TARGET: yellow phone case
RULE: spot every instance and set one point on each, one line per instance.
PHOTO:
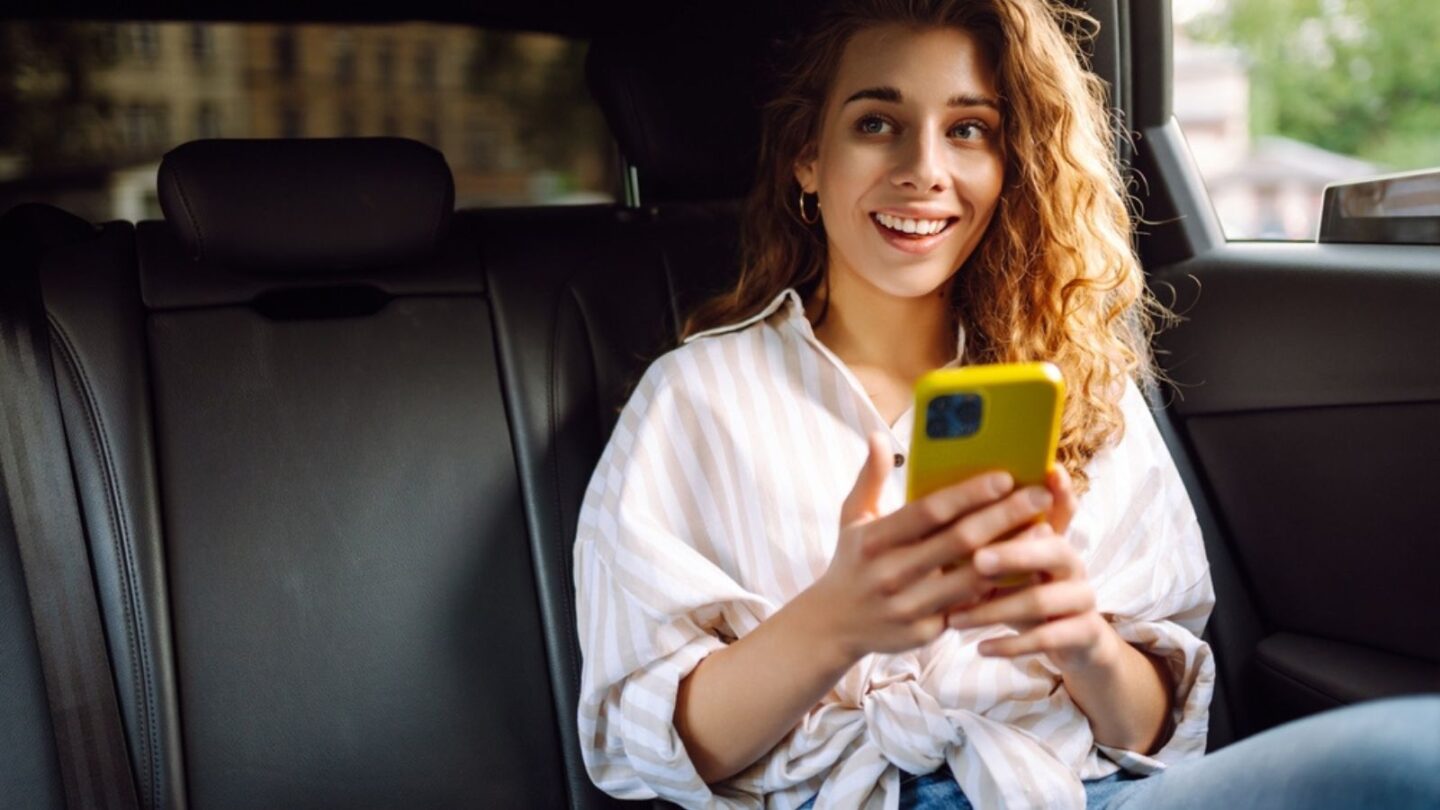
(1016, 425)
(1009, 415)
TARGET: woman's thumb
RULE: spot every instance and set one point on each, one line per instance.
(864, 498)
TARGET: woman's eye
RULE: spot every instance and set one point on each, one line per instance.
(968, 131)
(872, 125)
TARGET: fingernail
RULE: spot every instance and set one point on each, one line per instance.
(1040, 498)
(1001, 483)
(985, 561)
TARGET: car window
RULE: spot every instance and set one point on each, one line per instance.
(1280, 98)
(96, 104)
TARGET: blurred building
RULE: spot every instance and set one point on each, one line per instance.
(478, 96)
(1262, 188)
(413, 81)
(162, 84)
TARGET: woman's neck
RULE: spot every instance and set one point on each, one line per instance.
(870, 329)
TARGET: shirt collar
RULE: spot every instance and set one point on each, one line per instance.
(796, 305)
(795, 318)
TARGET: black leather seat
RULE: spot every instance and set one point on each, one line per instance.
(295, 468)
(329, 455)
(30, 773)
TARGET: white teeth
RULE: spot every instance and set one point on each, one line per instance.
(924, 227)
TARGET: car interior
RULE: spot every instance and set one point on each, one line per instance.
(317, 440)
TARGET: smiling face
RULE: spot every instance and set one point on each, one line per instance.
(908, 165)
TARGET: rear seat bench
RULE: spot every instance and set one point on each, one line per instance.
(329, 446)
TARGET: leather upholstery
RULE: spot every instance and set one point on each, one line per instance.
(308, 533)
(100, 361)
(172, 280)
(1234, 629)
(350, 581)
(351, 584)
(281, 206)
(574, 337)
(313, 535)
(29, 771)
(563, 372)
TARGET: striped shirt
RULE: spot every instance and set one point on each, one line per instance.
(717, 500)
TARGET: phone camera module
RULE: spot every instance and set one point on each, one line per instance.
(953, 416)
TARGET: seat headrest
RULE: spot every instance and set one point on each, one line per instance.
(685, 115)
(307, 206)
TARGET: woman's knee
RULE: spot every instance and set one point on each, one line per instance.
(1392, 729)
(1380, 751)
(1378, 754)
(1395, 734)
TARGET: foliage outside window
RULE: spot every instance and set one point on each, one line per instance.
(1280, 97)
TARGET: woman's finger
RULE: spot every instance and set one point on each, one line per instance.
(1059, 636)
(1036, 550)
(934, 594)
(962, 538)
(921, 518)
(1066, 503)
(862, 502)
(1034, 604)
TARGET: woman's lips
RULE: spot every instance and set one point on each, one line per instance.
(913, 243)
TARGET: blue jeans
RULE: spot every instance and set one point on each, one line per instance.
(1383, 754)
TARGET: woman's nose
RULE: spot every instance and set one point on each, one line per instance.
(919, 166)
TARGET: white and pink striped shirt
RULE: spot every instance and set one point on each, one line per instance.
(717, 500)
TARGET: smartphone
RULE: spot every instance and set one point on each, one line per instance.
(978, 419)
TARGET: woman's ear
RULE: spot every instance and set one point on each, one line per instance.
(805, 170)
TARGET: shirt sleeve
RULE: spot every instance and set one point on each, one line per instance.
(651, 600)
(1145, 556)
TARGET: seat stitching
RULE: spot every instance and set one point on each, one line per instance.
(567, 597)
(567, 591)
(185, 201)
(134, 617)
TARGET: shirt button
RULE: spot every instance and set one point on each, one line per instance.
(899, 459)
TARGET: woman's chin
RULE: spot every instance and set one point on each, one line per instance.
(907, 283)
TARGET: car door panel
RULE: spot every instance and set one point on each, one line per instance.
(1306, 396)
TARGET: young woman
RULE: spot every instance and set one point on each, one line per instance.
(760, 625)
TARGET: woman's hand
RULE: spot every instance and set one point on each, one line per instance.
(893, 578)
(1055, 614)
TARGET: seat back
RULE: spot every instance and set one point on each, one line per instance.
(30, 773)
(317, 575)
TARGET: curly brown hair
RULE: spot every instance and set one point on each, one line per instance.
(1054, 278)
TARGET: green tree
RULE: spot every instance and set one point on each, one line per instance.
(1360, 77)
(544, 89)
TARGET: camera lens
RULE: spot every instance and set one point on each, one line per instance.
(953, 416)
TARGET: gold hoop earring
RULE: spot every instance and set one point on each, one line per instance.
(811, 220)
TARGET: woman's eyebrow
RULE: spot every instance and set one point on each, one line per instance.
(894, 96)
(877, 93)
(970, 100)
